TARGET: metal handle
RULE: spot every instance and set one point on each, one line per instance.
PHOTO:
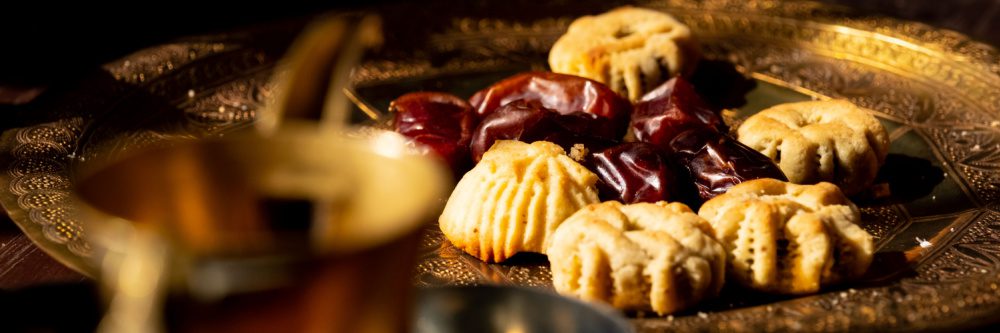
(316, 72)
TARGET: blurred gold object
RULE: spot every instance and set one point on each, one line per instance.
(312, 77)
(304, 225)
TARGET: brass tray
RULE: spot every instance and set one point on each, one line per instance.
(938, 235)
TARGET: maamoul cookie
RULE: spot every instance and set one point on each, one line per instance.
(514, 199)
(832, 141)
(656, 257)
(632, 50)
(787, 238)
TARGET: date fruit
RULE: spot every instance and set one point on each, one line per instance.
(563, 93)
(716, 162)
(634, 172)
(670, 109)
(440, 121)
(530, 121)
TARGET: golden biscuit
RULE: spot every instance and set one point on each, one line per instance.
(787, 238)
(632, 50)
(514, 199)
(656, 257)
(831, 141)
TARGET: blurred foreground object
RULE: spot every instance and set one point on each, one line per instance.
(304, 225)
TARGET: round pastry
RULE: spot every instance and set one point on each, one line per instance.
(632, 50)
(787, 238)
(831, 141)
(656, 257)
(514, 199)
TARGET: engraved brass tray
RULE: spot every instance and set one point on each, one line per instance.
(938, 93)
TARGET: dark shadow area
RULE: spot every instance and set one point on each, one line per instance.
(909, 178)
(56, 308)
(44, 45)
(71, 97)
(735, 297)
(526, 258)
(720, 84)
(7, 227)
(887, 267)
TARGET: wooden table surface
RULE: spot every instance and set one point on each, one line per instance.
(22, 264)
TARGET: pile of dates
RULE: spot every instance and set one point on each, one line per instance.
(680, 150)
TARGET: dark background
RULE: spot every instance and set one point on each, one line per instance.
(47, 42)
(979, 19)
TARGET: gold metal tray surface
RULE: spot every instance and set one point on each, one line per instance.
(937, 92)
